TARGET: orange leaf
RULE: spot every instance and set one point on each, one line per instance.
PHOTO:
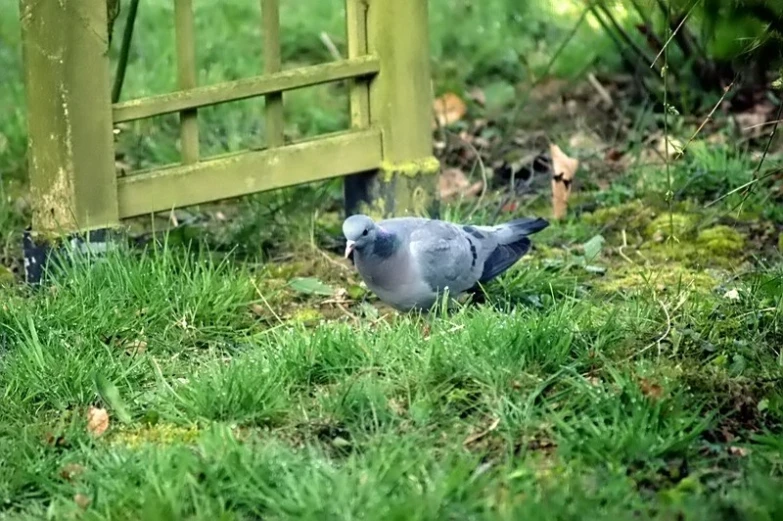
(449, 109)
(97, 421)
(563, 171)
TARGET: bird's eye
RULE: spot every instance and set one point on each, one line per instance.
(365, 232)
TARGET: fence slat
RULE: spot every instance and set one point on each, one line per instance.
(67, 83)
(273, 107)
(356, 34)
(249, 172)
(245, 88)
(186, 76)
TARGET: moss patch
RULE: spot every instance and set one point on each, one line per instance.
(680, 225)
(721, 240)
(158, 434)
(671, 277)
(630, 216)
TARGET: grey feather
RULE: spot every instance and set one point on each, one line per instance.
(409, 262)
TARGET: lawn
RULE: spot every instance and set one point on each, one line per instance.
(234, 367)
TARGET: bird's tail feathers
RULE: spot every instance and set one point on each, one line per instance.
(517, 229)
(503, 257)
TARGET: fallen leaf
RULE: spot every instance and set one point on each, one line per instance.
(477, 436)
(71, 471)
(311, 286)
(258, 309)
(670, 147)
(97, 421)
(478, 96)
(587, 142)
(453, 181)
(563, 171)
(593, 247)
(82, 501)
(449, 109)
(739, 451)
(651, 389)
(510, 206)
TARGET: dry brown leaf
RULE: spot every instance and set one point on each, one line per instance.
(82, 501)
(449, 109)
(70, 471)
(739, 451)
(651, 389)
(453, 181)
(563, 172)
(97, 421)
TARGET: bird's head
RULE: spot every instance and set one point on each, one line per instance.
(359, 231)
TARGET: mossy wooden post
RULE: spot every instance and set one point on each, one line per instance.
(401, 107)
(71, 145)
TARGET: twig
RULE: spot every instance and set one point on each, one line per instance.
(122, 63)
(475, 437)
(755, 177)
(483, 171)
(625, 244)
(709, 116)
(602, 92)
(330, 46)
(666, 44)
(623, 35)
(661, 338)
(266, 303)
(523, 100)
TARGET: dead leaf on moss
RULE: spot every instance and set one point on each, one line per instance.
(97, 421)
(563, 172)
(449, 109)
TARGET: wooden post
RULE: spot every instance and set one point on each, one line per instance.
(73, 182)
(401, 106)
(184, 28)
(273, 108)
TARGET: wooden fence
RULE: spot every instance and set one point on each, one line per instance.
(74, 183)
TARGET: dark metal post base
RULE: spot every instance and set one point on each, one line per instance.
(38, 253)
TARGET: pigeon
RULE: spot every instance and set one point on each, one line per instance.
(408, 262)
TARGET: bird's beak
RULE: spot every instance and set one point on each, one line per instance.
(349, 248)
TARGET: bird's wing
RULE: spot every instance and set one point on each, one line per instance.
(446, 256)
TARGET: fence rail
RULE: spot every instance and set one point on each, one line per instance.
(73, 179)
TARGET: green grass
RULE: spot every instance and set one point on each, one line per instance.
(642, 392)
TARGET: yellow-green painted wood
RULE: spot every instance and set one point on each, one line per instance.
(249, 172)
(273, 103)
(356, 35)
(401, 96)
(186, 76)
(245, 88)
(401, 106)
(71, 145)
